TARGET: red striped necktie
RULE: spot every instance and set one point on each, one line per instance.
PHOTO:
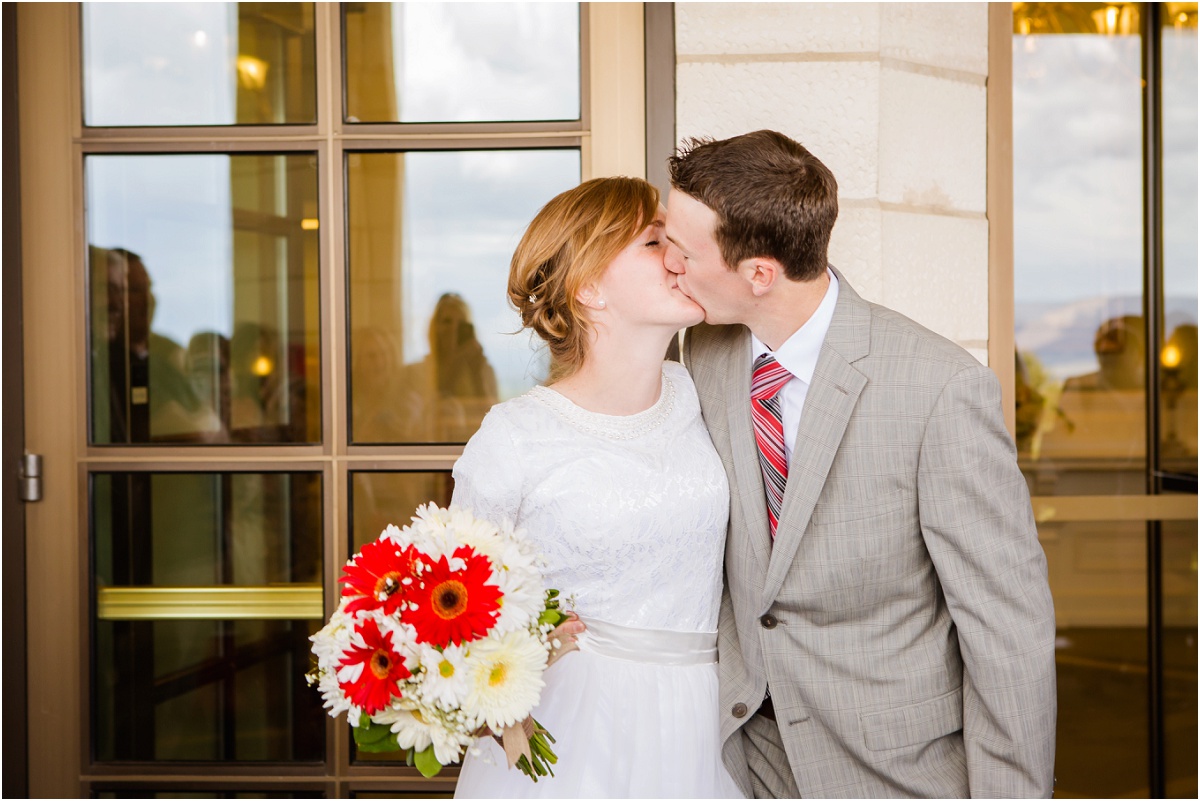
(767, 410)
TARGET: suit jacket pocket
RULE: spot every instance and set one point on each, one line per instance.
(915, 723)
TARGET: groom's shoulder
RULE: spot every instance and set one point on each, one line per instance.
(703, 340)
(896, 337)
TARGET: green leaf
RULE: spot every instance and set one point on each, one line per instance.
(374, 738)
(427, 763)
(551, 616)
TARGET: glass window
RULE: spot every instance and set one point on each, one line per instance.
(1179, 656)
(198, 64)
(380, 499)
(1081, 340)
(1098, 578)
(461, 62)
(434, 343)
(206, 589)
(204, 298)
(1177, 393)
(138, 791)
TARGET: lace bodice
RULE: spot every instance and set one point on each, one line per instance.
(629, 512)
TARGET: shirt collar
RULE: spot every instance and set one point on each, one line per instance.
(799, 353)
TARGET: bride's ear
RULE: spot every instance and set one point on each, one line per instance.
(589, 296)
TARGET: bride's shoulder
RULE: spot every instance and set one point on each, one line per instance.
(681, 380)
(676, 371)
(517, 419)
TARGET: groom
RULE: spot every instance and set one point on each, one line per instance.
(887, 627)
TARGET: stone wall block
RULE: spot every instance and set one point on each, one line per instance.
(932, 142)
(733, 28)
(935, 270)
(832, 108)
(854, 248)
(949, 35)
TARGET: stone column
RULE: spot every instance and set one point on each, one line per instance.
(892, 97)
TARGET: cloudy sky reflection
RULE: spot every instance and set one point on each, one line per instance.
(459, 62)
(1077, 155)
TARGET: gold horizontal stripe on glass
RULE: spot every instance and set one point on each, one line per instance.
(1088, 508)
(284, 602)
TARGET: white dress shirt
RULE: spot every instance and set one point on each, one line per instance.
(798, 355)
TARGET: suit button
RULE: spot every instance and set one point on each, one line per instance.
(769, 621)
(740, 710)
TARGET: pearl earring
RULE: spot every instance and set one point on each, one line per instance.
(601, 303)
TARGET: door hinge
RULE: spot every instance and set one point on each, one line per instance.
(29, 478)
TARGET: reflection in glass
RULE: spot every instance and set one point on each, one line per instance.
(380, 499)
(461, 62)
(433, 339)
(399, 794)
(141, 791)
(1179, 656)
(198, 63)
(183, 681)
(1098, 580)
(204, 304)
(1177, 351)
(1081, 340)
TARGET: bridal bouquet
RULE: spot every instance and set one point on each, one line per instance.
(444, 628)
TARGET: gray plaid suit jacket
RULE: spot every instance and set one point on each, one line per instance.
(914, 650)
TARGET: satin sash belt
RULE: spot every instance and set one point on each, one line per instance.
(649, 646)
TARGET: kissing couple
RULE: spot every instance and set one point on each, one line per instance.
(803, 557)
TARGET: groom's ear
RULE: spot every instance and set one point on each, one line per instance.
(761, 273)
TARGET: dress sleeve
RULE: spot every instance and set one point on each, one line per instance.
(488, 477)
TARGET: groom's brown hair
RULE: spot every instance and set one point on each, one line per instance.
(771, 196)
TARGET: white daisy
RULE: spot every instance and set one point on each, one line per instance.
(524, 599)
(445, 678)
(409, 726)
(506, 678)
(448, 744)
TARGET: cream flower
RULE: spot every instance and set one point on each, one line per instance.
(506, 678)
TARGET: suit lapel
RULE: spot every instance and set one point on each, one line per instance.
(745, 449)
(828, 407)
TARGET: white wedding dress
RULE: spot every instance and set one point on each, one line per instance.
(630, 514)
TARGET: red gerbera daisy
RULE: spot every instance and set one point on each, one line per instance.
(382, 669)
(377, 576)
(453, 605)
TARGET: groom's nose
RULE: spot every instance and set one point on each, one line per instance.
(673, 260)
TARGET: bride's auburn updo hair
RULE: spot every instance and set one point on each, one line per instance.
(569, 244)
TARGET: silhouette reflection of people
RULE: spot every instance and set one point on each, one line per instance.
(383, 409)
(454, 383)
(207, 367)
(1120, 346)
(1101, 449)
(149, 395)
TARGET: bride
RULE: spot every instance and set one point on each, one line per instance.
(610, 471)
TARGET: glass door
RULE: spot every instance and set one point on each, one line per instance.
(1104, 154)
(285, 316)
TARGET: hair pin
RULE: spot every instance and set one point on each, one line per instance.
(532, 298)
